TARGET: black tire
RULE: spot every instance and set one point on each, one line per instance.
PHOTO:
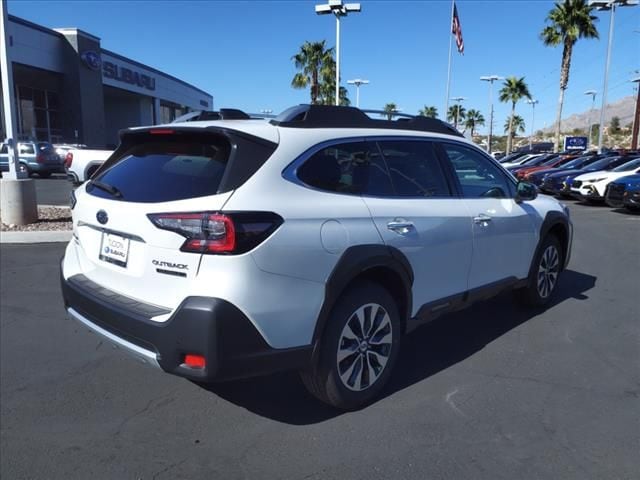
(324, 381)
(22, 167)
(545, 272)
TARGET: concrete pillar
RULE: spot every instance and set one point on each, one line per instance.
(18, 201)
(156, 111)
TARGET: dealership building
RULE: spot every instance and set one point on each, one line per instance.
(68, 89)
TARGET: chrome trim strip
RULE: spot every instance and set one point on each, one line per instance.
(108, 230)
(139, 353)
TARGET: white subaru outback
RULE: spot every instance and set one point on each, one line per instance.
(230, 248)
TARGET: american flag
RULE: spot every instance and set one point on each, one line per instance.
(456, 29)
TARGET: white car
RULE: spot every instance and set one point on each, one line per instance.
(593, 186)
(314, 241)
(80, 164)
(521, 160)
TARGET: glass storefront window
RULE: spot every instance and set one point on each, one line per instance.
(38, 113)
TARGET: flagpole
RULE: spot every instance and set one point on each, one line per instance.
(446, 103)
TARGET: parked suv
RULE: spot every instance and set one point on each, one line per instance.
(33, 157)
(315, 241)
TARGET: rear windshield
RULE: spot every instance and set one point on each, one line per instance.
(166, 170)
(42, 146)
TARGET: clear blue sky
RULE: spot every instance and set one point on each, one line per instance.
(241, 51)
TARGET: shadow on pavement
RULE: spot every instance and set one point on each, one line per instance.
(626, 211)
(425, 352)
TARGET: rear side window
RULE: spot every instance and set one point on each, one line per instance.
(414, 169)
(151, 168)
(355, 168)
(167, 170)
(26, 148)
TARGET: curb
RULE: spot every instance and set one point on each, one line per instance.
(36, 237)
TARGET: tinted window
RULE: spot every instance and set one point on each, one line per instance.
(167, 170)
(4, 148)
(355, 168)
(478, 176)
(414, 169)
(630, 165)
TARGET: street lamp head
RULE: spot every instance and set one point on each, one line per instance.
(458, 99)
(590, 92)
(358, 82)
(337, 7)
(532, 102)
(608, 4)
(490, 78)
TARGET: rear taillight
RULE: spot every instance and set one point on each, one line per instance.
(40, 158)
(68, 159)
(218, 233)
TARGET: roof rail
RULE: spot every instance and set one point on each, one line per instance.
(331, 116)
(222, 114)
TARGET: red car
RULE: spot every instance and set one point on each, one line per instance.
(522, 173)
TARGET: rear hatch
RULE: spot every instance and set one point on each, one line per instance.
(134, 219)
(47, 155)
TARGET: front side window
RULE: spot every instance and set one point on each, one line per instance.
(477, 175)
(414, 169)
(352, 168)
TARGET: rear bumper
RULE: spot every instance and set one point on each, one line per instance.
(46, 167)
(210, 327)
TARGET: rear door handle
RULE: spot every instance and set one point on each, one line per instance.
(482, 219)
(400, 225)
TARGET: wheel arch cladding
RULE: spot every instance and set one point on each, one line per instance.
(384, 265)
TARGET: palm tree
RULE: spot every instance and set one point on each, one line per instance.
(512, 125)
(456, 113)
(474, 119)
(513, 90)
(567, 22)
(311, 59)
(431, 112)
(327, 91)
(390, 109)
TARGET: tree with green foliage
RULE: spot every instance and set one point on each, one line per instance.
(311, 60)
(390, 109)
(567, 22)
(431, 112)
(512, 126)
(615, 125)
(513, 90)
(473, 119)
(456, 114)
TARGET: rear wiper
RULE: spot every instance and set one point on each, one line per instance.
(106, 187)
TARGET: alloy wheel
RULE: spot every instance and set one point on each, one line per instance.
(364, 347)
(548, 271)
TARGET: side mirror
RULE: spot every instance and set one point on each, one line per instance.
(526, 191)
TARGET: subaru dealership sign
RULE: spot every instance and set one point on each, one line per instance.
(576, 143)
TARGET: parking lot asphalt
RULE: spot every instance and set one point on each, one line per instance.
(54, 190)
(491, 392)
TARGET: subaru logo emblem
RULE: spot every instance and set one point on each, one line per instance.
(91, 60)
(102, 217)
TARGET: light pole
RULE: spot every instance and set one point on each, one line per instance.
(533, 119)
(490, 79)
(636, 116)
(18, 193)
(339, 9)
(593, 94)
(357, 82)
(457, 100)
(604, 5)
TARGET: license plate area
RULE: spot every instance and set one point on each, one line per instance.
(114, 249)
